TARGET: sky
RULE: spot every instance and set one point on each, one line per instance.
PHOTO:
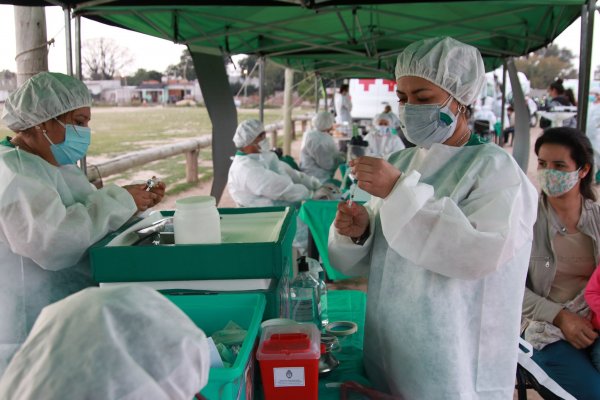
(157, 54)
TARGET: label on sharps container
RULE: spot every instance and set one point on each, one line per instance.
(286, 377)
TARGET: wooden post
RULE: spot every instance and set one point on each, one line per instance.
(274, 138)
(191, 166)
(287, 111)
(303, 126)
(30, 36)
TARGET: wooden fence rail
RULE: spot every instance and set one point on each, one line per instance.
(188, 147)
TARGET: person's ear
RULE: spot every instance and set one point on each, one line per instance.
(584, 171)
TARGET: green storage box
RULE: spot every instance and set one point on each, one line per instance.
(198, 262)
(276, 296)
(211, 313)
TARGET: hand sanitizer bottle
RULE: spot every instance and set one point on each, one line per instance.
(305, 303)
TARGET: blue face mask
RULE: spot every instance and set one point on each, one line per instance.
(75, 145)
(426, 124)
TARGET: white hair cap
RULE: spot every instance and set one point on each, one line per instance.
(125, 342)
(323, 120)
(247, 131)
(42, 97)
(384, 116)
(452, 65)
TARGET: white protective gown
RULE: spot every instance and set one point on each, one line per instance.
(261, 180)
(320, 156)
(447, 259)
(49, 217)
(381, 146)
(343, 108)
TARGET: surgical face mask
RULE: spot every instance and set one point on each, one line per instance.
(75, 145)
(426, 124)
(263, 145)
(555, 183)
(383, 130)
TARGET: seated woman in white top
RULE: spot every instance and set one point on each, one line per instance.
(382, 142)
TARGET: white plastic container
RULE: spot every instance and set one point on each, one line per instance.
(197, 220)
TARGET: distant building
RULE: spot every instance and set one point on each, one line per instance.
(148, 92)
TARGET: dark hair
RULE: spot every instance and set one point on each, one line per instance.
(581, 152)
(558, 86)
(571, 96)
(344, 88)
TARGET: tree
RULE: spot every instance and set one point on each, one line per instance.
(104, 58)
(545, 65)
(143, 75)
(184, 69)
(274, 74)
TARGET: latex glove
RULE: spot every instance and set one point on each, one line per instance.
(146, 199)
(577, 330)
(375, 175)
(351, 221)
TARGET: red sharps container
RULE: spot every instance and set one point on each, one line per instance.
(289, 361)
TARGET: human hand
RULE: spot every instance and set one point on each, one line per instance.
(146, 199)
(375, 175)
(351, 221)
(577, 330)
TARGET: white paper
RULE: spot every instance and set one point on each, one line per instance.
(289, 377)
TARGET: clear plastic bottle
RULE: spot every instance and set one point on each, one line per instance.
(305, 302)
(316, 270)
(196, 220)
(324, 316)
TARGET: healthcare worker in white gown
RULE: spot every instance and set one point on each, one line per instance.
(381, 141)
(445, 240)
(320, 156)
(49, 213)
(258, 179)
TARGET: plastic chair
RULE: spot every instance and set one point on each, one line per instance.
(531, 376)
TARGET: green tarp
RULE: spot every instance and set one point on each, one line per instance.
(342, 38)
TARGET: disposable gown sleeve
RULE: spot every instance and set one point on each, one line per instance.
(298, 177)
(36, 224)
(266, 183)
(349, 258)
(468, 241)
(539, 308)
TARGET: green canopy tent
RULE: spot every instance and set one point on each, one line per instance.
(334, 38)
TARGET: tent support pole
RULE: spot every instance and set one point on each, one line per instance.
(218, 98)
(503, 112)
(261, 89)
(522, 136)
(287, 112)
(68, 41)
(316, 93)
(585, 58)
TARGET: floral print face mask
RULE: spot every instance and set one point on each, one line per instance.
(554, 182)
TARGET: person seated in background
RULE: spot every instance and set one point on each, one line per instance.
(509, 132)
(50, 214)
(257, 178)
(381, 141)
(124, 342)
(592, 298)
(320, 156)
(558, 97)
(565, 253)
(485, 113)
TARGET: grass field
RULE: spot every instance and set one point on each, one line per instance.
(121, 130)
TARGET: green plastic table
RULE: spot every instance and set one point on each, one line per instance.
(344, 305)
(318, 215)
